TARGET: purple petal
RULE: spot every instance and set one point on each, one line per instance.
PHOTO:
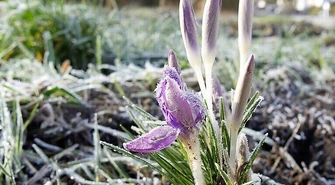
(155, 140)
(173, 62)
(169, 73)
(189, 32)
(197, 109)
(178, 109)
(210, 27)
(172, 73)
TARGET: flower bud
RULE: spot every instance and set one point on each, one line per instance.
(210, 28)
(189, 33)
(245, 14)
(242, 92)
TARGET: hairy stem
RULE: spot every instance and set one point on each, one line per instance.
(209, 90)
(192, 146)
(232, 152)
(208, 97)
(200, 79)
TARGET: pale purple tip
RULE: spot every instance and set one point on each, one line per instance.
(173, 62)
(210, 25)
(188, 26)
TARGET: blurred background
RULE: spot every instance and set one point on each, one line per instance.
(69, 29)
(65, 66)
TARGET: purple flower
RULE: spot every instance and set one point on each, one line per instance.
(182, 110)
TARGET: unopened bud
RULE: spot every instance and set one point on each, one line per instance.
(242, 92)
(210, 28)
(245, 14)
(189, 33)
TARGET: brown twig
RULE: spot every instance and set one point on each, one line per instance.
(284, 154)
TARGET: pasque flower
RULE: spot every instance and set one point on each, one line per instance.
(182, 110)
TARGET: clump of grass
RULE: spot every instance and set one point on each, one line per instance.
(65, 32)
(39, 141)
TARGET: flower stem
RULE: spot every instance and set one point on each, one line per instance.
(232, 152)
(200, 79)
(208, 97)
(193, 149)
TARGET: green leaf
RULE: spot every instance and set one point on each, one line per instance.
(171, 163)
(177, 160)
(252, 100)
(40, 152)
(119, 88)
(222, 111)
(134, 118)
(117, 168)
(247, 167)
(135, 157)
(97, 149)
(2, 169)
(48, 46)
(207, 158)
(140, 110)
(32, 114)
(61, 91)
(19, 131)
(127, 132)
(174, 172)
(224, 175)
(225, 136)
(250, 109)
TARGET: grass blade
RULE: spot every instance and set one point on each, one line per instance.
(247, 167)
(4, 171)
(32, 114)
(225, 136)
(224, 175)
(61, 91)
(135, 157)
(251, 107)
(140, 111)
(97, 152)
